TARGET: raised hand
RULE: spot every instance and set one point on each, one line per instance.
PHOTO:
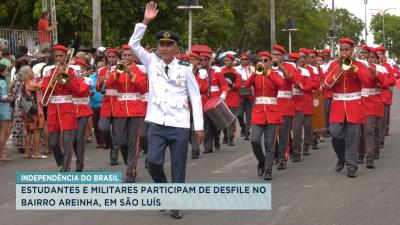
(150, 13)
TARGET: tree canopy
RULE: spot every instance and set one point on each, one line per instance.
(392, 35)
(230, 24)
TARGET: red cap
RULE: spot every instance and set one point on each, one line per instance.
(374, 50)
(229, 56)
(193, 55)
(244, 54)
(178, 56)
(185, 56)
(380, 49)
(60, 48)
(264, 54)
(346, 40)
(294, 55)
(279, 48)
(320, 56)
(325, 50)
(112, 50)
(205, 55)
(81, 62)
(126, 47)
(304, 51)
(312, 51)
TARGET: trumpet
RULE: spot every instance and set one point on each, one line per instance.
(62, 78)
(120, 67)
(275, 64)
(259, 70)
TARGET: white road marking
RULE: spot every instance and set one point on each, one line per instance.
(242, 161)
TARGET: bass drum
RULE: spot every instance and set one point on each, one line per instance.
(219, 113)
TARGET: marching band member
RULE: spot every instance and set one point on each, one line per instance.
(83, 113)
(131, 84)
(217, 88)
(301, 100)
(374, 109)
(108, 104)
(60, 104)
(171, 85)
(326, 92)
(234, 82)
(387, 94)
(318, 119)
(265, 115)
(246, 96)
(287, 70)
(201, 78)
(347, 110)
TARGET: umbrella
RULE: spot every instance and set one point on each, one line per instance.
(222, 55)
(201, 48)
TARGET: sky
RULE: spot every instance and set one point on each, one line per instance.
(357, 8)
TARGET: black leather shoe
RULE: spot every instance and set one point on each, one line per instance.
(129, 179)
(352, 174)
(296, 159)
(176, 214)
(195, 156)
(376, 156)
(206, 151)
(281, 166)
(360, 160)
(114, 163)
(315, 147)
(306, 152)
(370, 164)
(260, 169)
(247, 137)
(267, 176)
(230, 141)
(242, 133)
(339, 166)
(225, 140)
(217, 146)
(78, 170)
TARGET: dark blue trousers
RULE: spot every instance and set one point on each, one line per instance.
(177, 140)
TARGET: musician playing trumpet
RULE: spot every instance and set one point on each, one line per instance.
(265, 115)
(131, 83)
(347, 110)
(61, 115)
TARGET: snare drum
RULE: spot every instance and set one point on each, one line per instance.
(219, 113)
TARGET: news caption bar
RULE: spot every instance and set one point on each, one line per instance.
(105, 191)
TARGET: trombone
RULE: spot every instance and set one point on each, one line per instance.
(58, 77)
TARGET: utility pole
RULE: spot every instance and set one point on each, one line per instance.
(96, 13)
(272, 12)
(366, 26)
(333, 36)
(290, 27)
(383, 23)
(192, 5)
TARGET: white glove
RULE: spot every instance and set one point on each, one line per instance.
(202, 74)
(223, 96)
(88, 81)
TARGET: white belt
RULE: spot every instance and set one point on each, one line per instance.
(297, 91)
(81, 101)
(111, 92)
(266, 100)
(128, 97)
(365, 92)
(145, 97)
(347, 96)
(214, 88)
(285, 94)
(57, 99)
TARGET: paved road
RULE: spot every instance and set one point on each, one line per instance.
(309, 192)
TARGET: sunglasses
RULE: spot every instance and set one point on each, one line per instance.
(244, 59)
(264, 60)
(203, 59)
(345, 49)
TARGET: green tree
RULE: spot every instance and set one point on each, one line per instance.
(392, 35)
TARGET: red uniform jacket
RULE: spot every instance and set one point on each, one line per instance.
(265, 86)
(387, 94)
(300, 99)
(285, 103)
(81, 99)
(61, 116)
(232, 97)
(371, 92)
(217, 83)
(129, 100)
(348, 83)
(201, 78)
(315, 82)
(110, 97)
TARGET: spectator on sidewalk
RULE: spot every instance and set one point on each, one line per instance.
(5, 112)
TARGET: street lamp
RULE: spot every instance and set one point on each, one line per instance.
(290, 27)
(366, 28)
(383, 23)
(192, 5)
